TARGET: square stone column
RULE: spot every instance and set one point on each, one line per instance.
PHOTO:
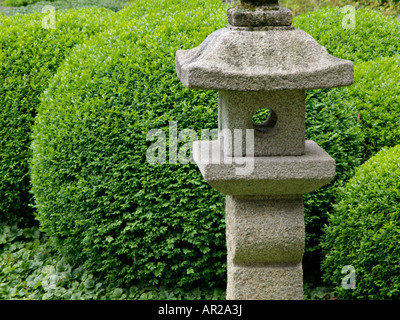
(265, 240)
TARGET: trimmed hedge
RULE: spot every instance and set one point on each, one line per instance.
(333, 125)
(29, 56)
(18, 3)
(371, 108)
(346, 143)
(107, 206)
(376, 96)
(364, 231)
(374, 35)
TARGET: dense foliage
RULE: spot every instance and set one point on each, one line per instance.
(32, 268)
(96, 193)
(29, 57)
(364, 119)
(376, 96)
(353, 122)
(364, 230)
(374, 35)
(334, 117)
(18, 3)
(333, 125)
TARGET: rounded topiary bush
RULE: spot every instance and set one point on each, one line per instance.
(376, 96)
(366, 118)
(333, 125)
(364, 231)
(372, 108)
(373, 36)
(29, 57)
(108, 207)
(357, 110)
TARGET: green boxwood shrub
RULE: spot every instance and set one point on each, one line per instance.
(364, 231)
(370, 109)
(374, 35)
(29, 56)
(376, 97)
(333, 125)
(96, 193)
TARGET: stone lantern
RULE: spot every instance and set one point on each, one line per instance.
(261, 61)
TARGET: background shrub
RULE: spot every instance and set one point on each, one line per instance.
(37, 6)
(18, 3)
(332, 118)
(333, 125)
(29, 56)
(386, 7)
(374, 35)
(364, 230)
(372, 106)
(376, 96)
(96, 193)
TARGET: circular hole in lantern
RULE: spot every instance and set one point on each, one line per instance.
(264, 120)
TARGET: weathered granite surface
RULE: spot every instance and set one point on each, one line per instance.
(260, 16)
(272, 175)
(273, 282)
(265, 240)
(284, 135)
(265, 230)
(280, 58)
